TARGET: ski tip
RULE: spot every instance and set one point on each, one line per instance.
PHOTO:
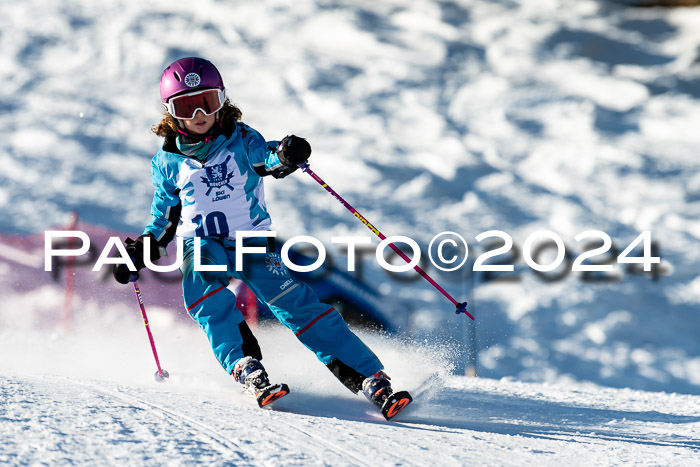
(271, 394)
(395, 404)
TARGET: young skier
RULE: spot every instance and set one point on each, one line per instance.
(208, 185)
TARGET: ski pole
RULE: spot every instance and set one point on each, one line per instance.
(461, 307)
(161, 375)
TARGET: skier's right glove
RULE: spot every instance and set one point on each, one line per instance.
(293, 150)
(134, 248)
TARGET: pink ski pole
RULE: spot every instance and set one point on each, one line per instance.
(161, 375)
(461, 307)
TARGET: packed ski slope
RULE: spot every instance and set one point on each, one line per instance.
(428, 116)
(92, 401)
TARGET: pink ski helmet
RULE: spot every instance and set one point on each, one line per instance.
(189, 74)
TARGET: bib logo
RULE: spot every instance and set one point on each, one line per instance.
(217, 177)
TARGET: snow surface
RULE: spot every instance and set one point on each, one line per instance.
(427, 116)
(91, 400)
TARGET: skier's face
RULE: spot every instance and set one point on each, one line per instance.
(200, 124)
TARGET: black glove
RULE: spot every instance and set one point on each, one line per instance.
(293, 151)
(134, 249)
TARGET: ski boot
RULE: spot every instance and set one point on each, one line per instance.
(252, 375)
(377, 389)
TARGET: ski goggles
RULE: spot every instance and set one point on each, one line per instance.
(186, 106)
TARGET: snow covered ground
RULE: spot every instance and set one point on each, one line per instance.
(428, 116)
(66, 421)
(92, 400)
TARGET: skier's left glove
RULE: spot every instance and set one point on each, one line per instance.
(293, 150)
(134, 248)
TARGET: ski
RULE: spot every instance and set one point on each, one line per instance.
(395, 403)
(270, 394)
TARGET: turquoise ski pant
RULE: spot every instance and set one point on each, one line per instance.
(317, 325)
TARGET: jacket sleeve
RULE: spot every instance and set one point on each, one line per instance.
(166, 205)
(263, 155)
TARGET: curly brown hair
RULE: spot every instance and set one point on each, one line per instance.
(167, 127)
